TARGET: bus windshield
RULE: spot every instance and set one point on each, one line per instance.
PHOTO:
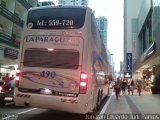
(56, 18)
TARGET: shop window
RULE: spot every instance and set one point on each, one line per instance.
(149, 26)
(143, 40)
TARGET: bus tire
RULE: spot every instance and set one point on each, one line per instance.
(98, 101)
(101, 96)
(2, 102)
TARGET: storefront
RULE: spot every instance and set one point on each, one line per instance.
(7, 69)
(8, 61)
(148, 75)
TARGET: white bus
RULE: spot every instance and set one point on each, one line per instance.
(62, 63)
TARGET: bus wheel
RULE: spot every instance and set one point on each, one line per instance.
(101, 96)
(2, 102)
(98, 101)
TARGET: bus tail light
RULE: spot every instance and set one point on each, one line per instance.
(83, 83)
(17, 78)
(18, 72)
(1, 89)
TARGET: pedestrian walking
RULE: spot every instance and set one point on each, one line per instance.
(129, 86)
(6, 78)
(117, 87)
(124, 85)
(132, 86)
(139, 87)
(147, 87)
(11, 82)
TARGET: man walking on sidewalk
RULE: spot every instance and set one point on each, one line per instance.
(124, 85)
(132, 85)
(117, 87)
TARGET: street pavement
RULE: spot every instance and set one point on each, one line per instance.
(127, 107)
(133, 107)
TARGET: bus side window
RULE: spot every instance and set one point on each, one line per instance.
(93, 29)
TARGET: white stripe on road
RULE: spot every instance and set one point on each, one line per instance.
(27, 111)
(102, 112)
(106, 105)
(14, 117)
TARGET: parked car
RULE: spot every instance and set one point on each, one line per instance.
(6, 92)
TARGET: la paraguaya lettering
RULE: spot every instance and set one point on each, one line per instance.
(46, 39)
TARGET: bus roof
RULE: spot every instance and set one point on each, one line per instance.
(59, 6)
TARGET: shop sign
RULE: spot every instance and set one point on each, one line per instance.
(11, 53)
(129, 62)
(127, 74)
(149, 51)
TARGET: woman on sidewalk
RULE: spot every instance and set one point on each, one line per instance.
(132, 86)
(117, 87)
(129, 86)
(124, 85)
(139, 86)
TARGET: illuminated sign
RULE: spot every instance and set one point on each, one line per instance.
(129, 62)
(54, 18)
(149, 51)
(127, 74)
(11, 53)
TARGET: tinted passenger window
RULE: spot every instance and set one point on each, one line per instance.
(66, 59)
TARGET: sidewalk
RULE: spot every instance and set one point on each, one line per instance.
(147, 103)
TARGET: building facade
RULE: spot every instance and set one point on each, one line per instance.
(73, 2)
(102, 26)
(130, 37)
(46, 3)
(121, 68)
(144, 38)
(112, 66)
(12, 18)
